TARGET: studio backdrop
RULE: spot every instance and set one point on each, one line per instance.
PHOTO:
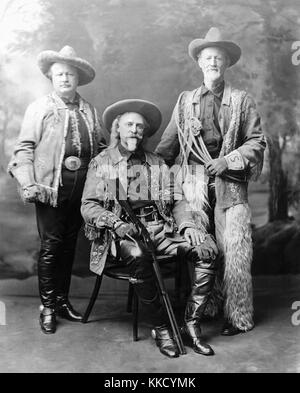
(139, 50)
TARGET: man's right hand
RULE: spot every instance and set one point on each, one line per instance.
(126, 229)
(30, 193)
(208, 249)
(193, 236)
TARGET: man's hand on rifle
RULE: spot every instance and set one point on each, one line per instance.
(123, 228)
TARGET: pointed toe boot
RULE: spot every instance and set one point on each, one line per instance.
(193, 332)
(64, 309)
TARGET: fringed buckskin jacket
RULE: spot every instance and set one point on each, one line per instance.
(40, 149)
(243, 140)
(101, 210)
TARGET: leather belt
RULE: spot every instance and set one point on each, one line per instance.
(73, 163)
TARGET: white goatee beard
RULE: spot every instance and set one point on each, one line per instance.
(132, 144)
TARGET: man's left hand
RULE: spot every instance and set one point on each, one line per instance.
(216, 167)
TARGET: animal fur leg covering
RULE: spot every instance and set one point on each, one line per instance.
(238, 252)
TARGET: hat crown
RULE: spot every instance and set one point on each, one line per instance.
(67, 51)
(213, 35)
(214, 38)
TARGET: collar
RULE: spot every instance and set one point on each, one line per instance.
(217, 91)
(61, 103)
(226, 94)
(76, 100)
(117, 157)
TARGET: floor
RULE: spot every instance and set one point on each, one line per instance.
(105, 344)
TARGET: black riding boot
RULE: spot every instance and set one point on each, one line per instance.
(64, 308)
(202, 283)
(46, 277)
(46, 273)
(146, 289)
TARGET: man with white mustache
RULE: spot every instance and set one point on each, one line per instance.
(217, 129)
(160, 205)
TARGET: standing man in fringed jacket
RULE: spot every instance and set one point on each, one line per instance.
(60, 135)
(216, 128)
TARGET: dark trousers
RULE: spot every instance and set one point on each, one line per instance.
(141, 268)
(58, 228)
(203, 275)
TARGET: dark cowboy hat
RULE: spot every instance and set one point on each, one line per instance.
(67, 54)
(214, 38)
(145, 108)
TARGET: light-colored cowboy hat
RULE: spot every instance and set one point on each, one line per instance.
(145, 108)
(67, 54)
(214, 38)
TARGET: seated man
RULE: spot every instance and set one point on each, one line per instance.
(146, 179)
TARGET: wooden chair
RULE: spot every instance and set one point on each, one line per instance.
(118, 271)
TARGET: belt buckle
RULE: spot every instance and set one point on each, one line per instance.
(72, 163)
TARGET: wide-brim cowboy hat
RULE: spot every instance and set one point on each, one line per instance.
(214, 38)
(67, 54)
(147, 109)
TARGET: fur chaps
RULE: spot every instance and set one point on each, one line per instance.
(232, 290)
(233, 286)
(238, 252)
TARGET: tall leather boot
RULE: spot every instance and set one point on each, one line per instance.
(64, 308)
(148, 294)
(64, 267)
(46, 277)
(46, 274)
(202, 283)
(161, 332)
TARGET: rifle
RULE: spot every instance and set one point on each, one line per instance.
(124, 203)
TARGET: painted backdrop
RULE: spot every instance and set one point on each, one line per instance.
(139, 49)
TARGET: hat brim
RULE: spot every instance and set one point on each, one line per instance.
(145, 108)
(233, 50)
(86, 72)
